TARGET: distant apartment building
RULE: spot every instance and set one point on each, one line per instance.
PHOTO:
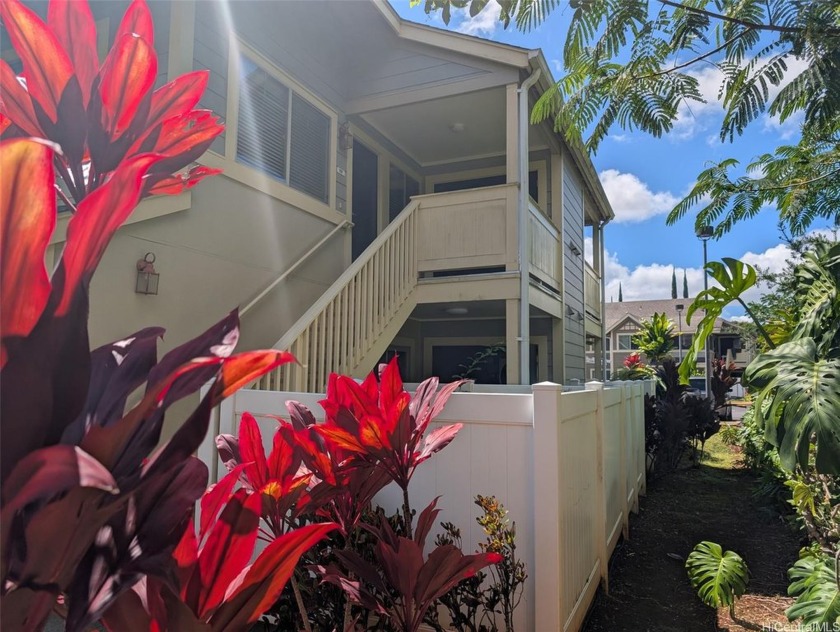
(623, 320)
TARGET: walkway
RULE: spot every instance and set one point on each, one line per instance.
(649, 588)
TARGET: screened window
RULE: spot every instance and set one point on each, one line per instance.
(281, 133)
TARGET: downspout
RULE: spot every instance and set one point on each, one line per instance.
(606, 377)
(522, 227)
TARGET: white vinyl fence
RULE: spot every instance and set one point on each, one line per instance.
(568, 466)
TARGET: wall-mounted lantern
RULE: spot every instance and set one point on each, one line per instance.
(574, 248)
(147, 278)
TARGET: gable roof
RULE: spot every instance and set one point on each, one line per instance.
(617, 313)
(527, 60)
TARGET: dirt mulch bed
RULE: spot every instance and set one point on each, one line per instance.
(649, 588)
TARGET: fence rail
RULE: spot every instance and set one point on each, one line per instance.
(568, 465)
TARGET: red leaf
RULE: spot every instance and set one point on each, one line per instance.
(27, 219)
(16, 103)
(177, 97)
(49, 471)
(281, 462)
(137, 20)
(391, 385)
(438, 439)
(341, 438)
(243, 368)
(215, 498)
(228, 548)
(180, 182)
(128, 73)
(266, 578)
(252, 451)
(446, 567)
(46, 66)
(185, 138)
(97, 218)
(74, 27)
(425, 522)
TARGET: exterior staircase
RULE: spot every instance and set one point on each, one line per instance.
(349, 328)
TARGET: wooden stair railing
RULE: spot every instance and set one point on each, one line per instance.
(344, 328)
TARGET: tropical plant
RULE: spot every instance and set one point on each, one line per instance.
(722, 382)
(655, 337)
(383, 425)
(634, 369)
(475, 605)
(733, 278)
(703, 424)
(719, 577)
(400, 585)
(814, 584)
(638, 65)
(798, 379)
(93, 504)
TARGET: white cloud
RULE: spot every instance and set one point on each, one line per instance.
(631, 199)
(694, 118)
(653, 281)
(485, 24)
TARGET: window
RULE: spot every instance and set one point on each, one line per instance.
(625, 343)
(281, 133)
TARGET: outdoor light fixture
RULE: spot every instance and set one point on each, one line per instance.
(574, 248)
(147, 278)
(345, 138)
(570, 311)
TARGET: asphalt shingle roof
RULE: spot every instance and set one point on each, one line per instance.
(617, 313)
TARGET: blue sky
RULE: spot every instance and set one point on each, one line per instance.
(644, 176)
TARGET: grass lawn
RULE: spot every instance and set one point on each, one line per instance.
(649, 588)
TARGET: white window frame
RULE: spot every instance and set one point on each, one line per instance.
(630, 338)
(255, 177)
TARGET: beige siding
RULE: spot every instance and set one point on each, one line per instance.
(211, 258)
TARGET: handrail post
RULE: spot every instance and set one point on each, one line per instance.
(602, 529)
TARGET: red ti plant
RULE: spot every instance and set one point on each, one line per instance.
(401, 570)
(90, 504)
(384, 425)
(633, 361)
(219, 590)
(101, 116)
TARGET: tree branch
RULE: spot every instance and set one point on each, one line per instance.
(746, 23)
(692, 61)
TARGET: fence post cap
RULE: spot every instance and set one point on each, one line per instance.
(594, 386)
(545, 386)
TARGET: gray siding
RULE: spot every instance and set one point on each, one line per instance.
(573, 201)
(210, 52)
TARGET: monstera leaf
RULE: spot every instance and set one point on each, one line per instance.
(818, 297)
(734, 278)
(799, 398)
(814, 584)
(718, 577)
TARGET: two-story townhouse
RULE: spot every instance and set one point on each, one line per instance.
(383, 192)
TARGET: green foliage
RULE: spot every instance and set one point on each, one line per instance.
(475, 605)
(718, 577)
(814, 584)
(804, 400)
(635, 65)
(799, 379)
(655, 338)
(734, 278)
